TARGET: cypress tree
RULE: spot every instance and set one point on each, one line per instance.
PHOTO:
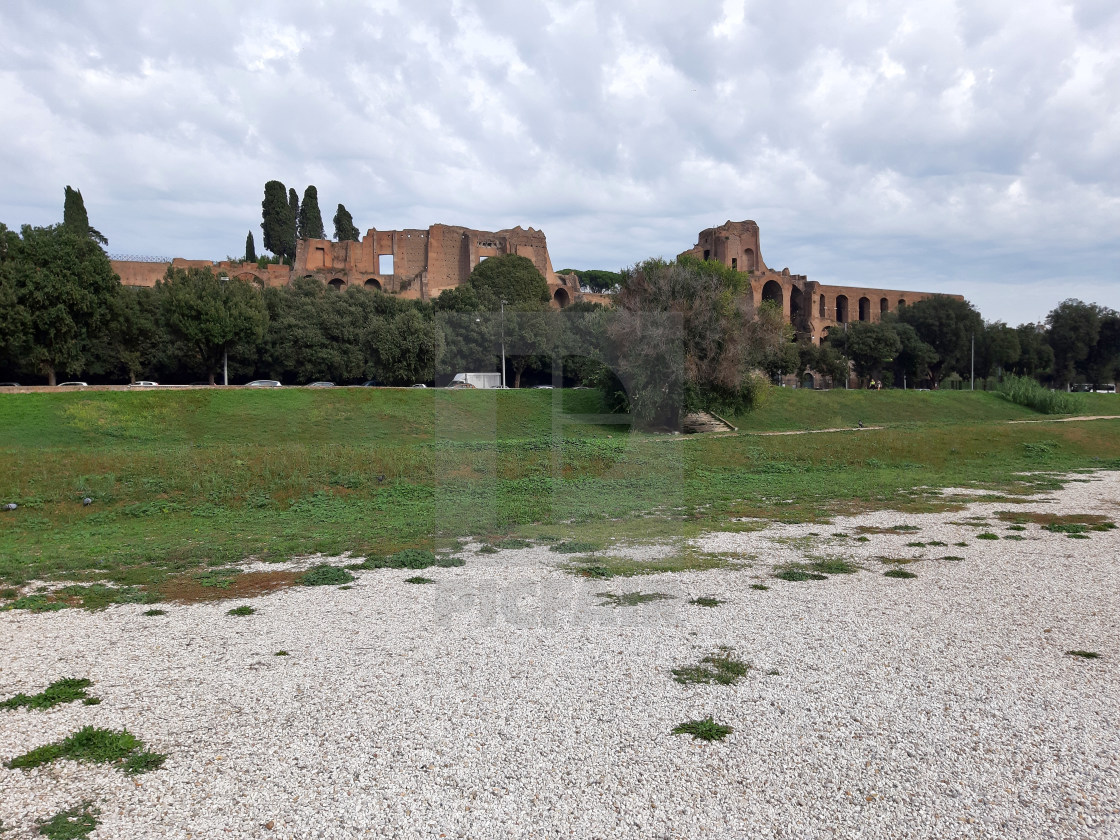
(274, 213)
(344, 230)
(250, 248)
(292, 231)
(310, 219)
(75, 218)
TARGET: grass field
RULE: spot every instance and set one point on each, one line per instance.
(189, 481)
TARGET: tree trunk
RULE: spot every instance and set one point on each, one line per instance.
(516, 377)
(51, 379)
(211, 377)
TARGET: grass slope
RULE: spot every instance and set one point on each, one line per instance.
(183, 481)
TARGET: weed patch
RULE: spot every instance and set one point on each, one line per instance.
(154, 612)
(833, 566)
(987, 535)
(899, 573)
(705, 601)
(512, 542)
(761, 587)
(418, 579)
(217, 578)
(573, 547)
(488, 549)
(410, 558)
(630, 599)
(687, 560)
(61, 691)
(1084, 654)
(952, 558)
(70, 824)
(244, 609)
(324, 575)
(281, 653)
(703, 730)
(797, 573)
(720, 667)
(94, 746)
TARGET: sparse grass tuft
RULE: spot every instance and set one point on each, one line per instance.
(410, 558)
(797, 573)
(488, 549)
(952, 558)
(61, 691)
(899, 573)
(70, 824)
(916, 544)
(705, 601)
(1016, 527)
(244, 609)
(630, 599)
(833, 566)
(598, 572)
(574, 547)
(281, 653)
(154, 612)
(961, 544)
(513, 542)
(703, 730)
(418, 579)
(720, 667)
(93, 746)
(987, 535)
(1084, 654)
(937, 543)
(324, 575)
(761, 587)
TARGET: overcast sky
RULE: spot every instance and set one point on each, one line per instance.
(967, 147)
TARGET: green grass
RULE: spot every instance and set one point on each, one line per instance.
(720, 667)
(705, 601)
(987, 535)
(190, 482)
(244, 609)
(418, 579)
(94, 746)
(899, 573)
(762, 587)
(797, 575)
(409, 558)
(324, 575)
(61, 691)
(685, 560)
(703, 730)
(70, 824)
(630, 599)
(154, 612)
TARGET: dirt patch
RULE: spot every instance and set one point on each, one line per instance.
(1023, 517)
(187, 590)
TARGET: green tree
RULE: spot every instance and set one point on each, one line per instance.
(250, 248)
(948, 326)
(344, 230)
(1036, 356)
(510, 277)
(913, 360)
(532, 335)
(76, 220)
(871, 346)
(210, 314)
(310, 219)
(403, 348)
(135, 332)
(997, 349)
(1075, 327)
(62, 286)
(1103, 364)
(595, 279)
(277, 223)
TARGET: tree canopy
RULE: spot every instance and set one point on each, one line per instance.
(277, 223)
(344, 230)
(310, 219)
(948, 326)
(57, 286)
(250, 248)
(76, 220)
(510, 277)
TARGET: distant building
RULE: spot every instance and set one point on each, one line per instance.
(809, 306)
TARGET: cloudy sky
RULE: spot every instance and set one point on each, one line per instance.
(969, 147)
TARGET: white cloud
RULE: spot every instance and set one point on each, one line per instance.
(966, 144)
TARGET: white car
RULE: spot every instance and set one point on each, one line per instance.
(73, 384)
(144, 383)
(263, 383)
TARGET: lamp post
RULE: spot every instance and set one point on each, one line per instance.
(225, 349)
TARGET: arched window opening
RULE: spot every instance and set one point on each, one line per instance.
(841, 309)
(748, 259)
(773, 291)
(372, 283)
(822, 309)
(796, 305)
(864, 309)
(337, 283)
(901, 303)
(561, 298)
(884, 306)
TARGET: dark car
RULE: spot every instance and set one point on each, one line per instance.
(9, 384)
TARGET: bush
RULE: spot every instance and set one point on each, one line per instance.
(324, 575)
(1023, 390)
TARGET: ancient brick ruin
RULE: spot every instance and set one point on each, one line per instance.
(809, 306)
(414, 264)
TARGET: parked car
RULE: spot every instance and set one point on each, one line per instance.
(144, 383)
(9, 384)
(420, 385)
(372, 383)
(321, 385)
(73, 384)
(263, 383)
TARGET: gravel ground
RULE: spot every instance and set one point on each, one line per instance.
(503, 701)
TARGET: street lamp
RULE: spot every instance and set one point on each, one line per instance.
(225, 349)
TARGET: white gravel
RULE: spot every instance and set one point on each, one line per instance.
(503, 702)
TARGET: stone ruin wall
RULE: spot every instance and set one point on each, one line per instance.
(423, 262)
(809, 306)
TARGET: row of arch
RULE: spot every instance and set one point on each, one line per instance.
(772, 291)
